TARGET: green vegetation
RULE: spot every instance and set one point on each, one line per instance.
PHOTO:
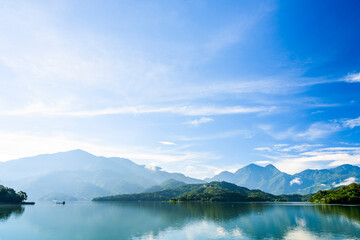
(8, 195)
(209, 192)
(347, 195)
(225, 192)
(293, 198)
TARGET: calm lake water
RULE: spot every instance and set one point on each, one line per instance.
(92, 220)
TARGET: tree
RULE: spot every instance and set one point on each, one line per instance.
(23, 196)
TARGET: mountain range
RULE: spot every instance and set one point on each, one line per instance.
(271, 180)
(79, 175)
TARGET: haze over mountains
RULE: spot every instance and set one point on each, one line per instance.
(78, 175)
(81, 175)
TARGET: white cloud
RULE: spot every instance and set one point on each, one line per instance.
(346, 182)
(198, 122)
(153, 167)
(296, 181)
(263, 149)
(311, 157)
(228, 134)
(168, 143)
(351, 123)
(300, 147)
(319, 130)
(263, 163)
(315, 131)
(45, 110)
(353, 78)
(287, 148)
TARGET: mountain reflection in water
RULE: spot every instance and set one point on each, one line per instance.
(188, 220)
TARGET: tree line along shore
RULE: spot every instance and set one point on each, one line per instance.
(214, 192)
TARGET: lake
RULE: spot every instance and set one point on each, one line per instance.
(155, 220)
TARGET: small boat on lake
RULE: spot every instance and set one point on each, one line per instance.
(63, 203)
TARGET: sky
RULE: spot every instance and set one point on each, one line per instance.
(195, 87)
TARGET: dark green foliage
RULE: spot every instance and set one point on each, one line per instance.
(225, 192)
(347, 195)
(8, 195)
(209, 192)
(293, 198)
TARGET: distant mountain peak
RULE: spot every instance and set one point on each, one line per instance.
(251, 166)
(69, 152)
(347, 166)
(78, 151)
(270, 166)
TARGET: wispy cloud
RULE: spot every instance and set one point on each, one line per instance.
(295, 158)
(353, 78)
(198, 122)
(288, 148)
(315, 131)
(300, 147)
(57, 62)
(263, 149)
(318, 130)
(168, 143)
(227, 134)
(351, 123)
(45, 110)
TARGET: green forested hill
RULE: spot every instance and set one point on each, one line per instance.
(214, 191)
(348, 195)
(225, 192)
(8, 195)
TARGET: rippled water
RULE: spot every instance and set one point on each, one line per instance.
(92, 220)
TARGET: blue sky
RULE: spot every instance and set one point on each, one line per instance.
(192, 86)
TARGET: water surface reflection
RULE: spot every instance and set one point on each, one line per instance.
(7, 211)
(154, 220)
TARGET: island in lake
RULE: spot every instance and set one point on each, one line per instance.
(9, 196)
(209, 192)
